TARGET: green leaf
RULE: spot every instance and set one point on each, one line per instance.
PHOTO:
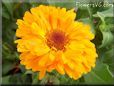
(82, 13)
(28, 72)
(110, 23)
(5, 13)
(5, 80)
(20, 79)
(35, 78)
(7, 66)
(50, 79)
(20, 9)
(108, 57)
(106, 13)
(66, 80)
(54, 80)
(16, 79)
(8, 54)
(107, 38)
(67, 3)
(102, 15)
(22, 68)
(99, 75)
(9, 7)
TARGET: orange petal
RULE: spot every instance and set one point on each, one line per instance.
(42, 74)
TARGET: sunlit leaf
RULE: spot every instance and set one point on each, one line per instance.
(99, 75)
(107, 39)
(106, 13)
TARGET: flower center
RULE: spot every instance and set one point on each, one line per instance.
(57, 39)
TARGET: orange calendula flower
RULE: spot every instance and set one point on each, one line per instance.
(51, 39)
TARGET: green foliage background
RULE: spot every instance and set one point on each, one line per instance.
(101, 20)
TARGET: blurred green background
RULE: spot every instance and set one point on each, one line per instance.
(101, 20)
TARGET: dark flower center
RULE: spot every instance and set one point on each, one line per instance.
(57, 39)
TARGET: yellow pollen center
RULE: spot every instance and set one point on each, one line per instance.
(57, 39)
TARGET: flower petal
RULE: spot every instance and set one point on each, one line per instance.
(42, 74)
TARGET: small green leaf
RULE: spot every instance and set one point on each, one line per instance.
(99, 75)
(107, 38)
